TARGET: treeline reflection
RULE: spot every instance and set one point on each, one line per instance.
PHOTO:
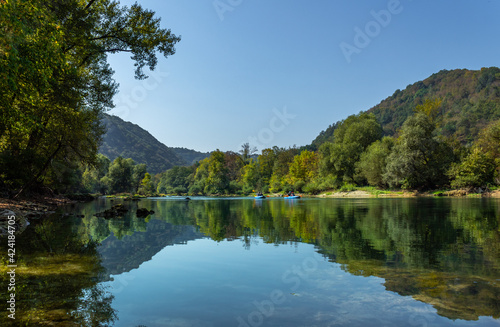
(445, 252)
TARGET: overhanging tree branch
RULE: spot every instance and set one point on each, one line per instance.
(89, 4)
(41, 172)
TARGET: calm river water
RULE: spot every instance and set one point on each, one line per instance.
(273, 262)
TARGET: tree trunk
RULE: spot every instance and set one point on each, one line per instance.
(40, 173)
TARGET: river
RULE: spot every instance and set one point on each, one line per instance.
(272, 262)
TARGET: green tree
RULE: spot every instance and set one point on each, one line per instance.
(418, 159)
(303, 169)
(247, 151)
(176, 180)
(326, 164)
(120, 175)
(430, 108)
(217, 180)
(138, 174)
(476, 170)
(91, 179)
(351, 138)
(489, 142)
(55, 81)
(266, 163)
(233, 165)
(147, 186)
(251, 178)
(211, 175)
(200, 178)
(64, 178)
(281, 167)
(372, 163)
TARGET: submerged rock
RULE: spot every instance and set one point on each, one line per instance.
(143, 212)
(132, 198)
(117, 210)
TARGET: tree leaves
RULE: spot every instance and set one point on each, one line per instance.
(55, 82)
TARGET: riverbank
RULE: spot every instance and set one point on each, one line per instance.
(360, 192)
(37, 205)
(27, 210)
(377, 193)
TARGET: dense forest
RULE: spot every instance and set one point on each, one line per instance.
(470, 100)
(56, 85)
(359, 155)
(443, 132)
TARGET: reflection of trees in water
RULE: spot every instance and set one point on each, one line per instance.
(416, 233)
(426, 251)
(445, 252)
(57, 279)
(95, 307)
(419, 246)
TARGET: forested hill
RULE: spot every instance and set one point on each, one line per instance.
(190, 156)
(131, 141)
(470, 99)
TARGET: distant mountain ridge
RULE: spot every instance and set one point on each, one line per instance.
(471, 99)
(190, 156)
(129, 140)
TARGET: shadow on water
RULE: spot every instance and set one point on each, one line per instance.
(444, 252)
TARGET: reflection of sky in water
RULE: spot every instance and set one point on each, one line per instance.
(205, 283)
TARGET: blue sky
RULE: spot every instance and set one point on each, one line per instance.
(277, 72)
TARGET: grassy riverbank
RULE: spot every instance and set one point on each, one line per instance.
(368, 192)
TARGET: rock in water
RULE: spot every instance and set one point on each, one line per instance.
(117, 210)
(143, 212)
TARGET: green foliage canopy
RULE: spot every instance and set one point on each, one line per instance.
(351, 138)
(55, 82)
(373, 162)
(418, 159)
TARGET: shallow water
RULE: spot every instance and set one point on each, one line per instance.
(246, 262)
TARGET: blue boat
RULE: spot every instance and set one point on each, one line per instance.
(260, 197)
(291, 197)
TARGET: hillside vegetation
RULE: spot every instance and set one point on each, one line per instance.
(129, 140)
(470, 100)
(190, 156)
(443, 132)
